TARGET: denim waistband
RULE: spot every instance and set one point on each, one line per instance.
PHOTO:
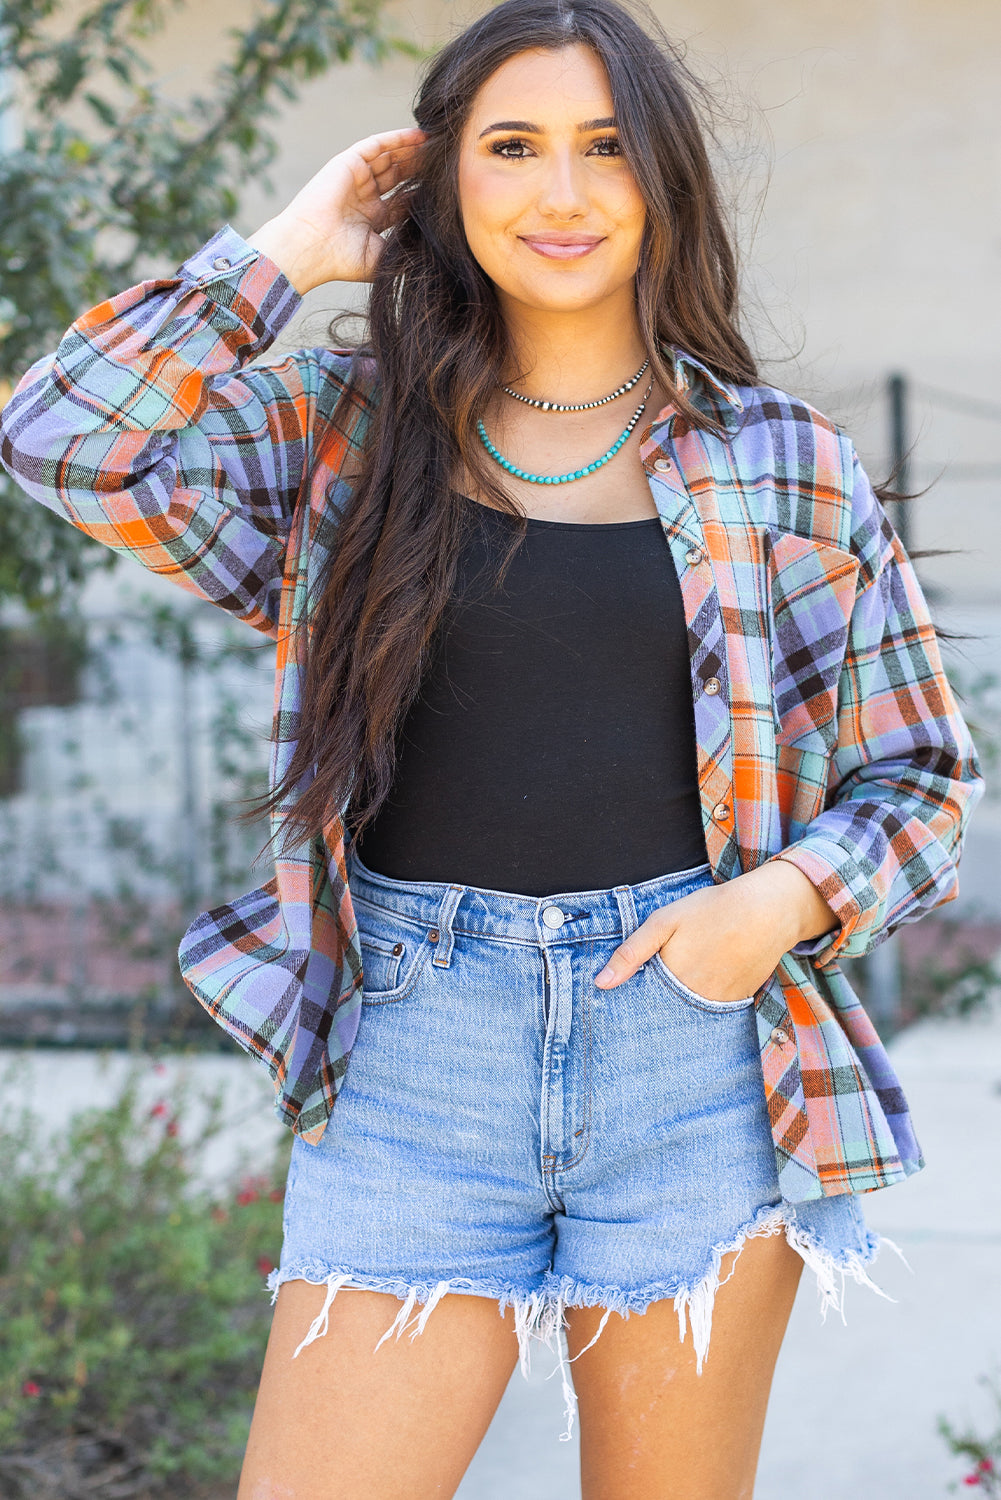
(566, 916)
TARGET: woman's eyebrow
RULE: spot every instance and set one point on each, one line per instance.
(529, 129)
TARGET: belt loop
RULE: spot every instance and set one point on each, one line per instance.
(627, 910)
(446, 916)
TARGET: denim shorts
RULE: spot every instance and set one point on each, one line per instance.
(506, 1129)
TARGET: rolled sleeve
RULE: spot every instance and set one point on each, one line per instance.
(904, 773)
(152, 430)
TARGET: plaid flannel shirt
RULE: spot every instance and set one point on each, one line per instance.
(833, 741)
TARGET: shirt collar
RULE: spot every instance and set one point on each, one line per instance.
(707, 389)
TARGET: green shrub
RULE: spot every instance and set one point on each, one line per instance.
(981, 1451)
(133, 1318)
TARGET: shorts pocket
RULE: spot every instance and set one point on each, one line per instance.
(393, 954)
(690, 997)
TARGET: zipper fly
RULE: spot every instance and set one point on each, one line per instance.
(545, 988)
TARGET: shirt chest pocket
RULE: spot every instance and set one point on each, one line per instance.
(811, 597)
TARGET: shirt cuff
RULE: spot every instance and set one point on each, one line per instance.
(242, 277)
(828, 880)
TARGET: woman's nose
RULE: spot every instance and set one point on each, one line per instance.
(563, 194)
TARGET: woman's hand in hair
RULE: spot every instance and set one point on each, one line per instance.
(331, 230)
(724, 941)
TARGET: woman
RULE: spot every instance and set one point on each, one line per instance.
(598, 797)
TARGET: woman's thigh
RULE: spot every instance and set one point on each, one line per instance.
(402, 1423)
(653, 1429)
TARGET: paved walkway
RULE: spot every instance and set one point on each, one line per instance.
(854, 1407)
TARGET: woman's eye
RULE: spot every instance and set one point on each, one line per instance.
(514, 150)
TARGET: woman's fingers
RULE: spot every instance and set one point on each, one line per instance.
(631, 955)
(372, 181)
(330, 230)
(723, 941)
(387, 157)
(386, 174)
(388, 141)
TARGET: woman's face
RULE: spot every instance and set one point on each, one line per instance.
(551, 211)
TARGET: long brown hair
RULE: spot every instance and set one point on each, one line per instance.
(439, 345)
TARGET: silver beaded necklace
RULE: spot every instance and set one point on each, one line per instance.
(590, 468)
(579, 405)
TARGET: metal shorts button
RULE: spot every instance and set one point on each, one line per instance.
(779, 1036)
(553, 917)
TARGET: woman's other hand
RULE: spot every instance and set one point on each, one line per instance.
(724, 941)
(331, 230)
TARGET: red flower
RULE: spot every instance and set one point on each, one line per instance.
(972, 1479)
(264, 1265)
(986, 1466)
(171, 1127)
(276, 1195)
(158, 1111)
(247, 1195)
(220, 1215)
(31, 1388)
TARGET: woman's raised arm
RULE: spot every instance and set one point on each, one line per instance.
(150, 429)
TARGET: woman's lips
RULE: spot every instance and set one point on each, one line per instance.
(562, 247)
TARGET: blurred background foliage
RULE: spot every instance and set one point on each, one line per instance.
(979, 1449)
(111, 173)
(106, 178)
(132, 1318)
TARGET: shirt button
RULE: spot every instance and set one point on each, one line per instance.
(221, 263)
(553, 917)
(693, 556)
(711, 685)
(779, 1036)
(662, 464)
(721, 812)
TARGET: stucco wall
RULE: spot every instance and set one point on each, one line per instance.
(864, 154)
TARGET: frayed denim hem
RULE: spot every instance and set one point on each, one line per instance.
(531, 1308)
(540, 1314)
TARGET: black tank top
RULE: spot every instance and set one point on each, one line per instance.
(552, 746)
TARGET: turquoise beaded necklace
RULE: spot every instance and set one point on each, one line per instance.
(598, 463)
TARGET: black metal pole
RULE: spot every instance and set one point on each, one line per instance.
(897, 396)
(883, 980)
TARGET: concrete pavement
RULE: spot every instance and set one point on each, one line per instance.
(854, 1407)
